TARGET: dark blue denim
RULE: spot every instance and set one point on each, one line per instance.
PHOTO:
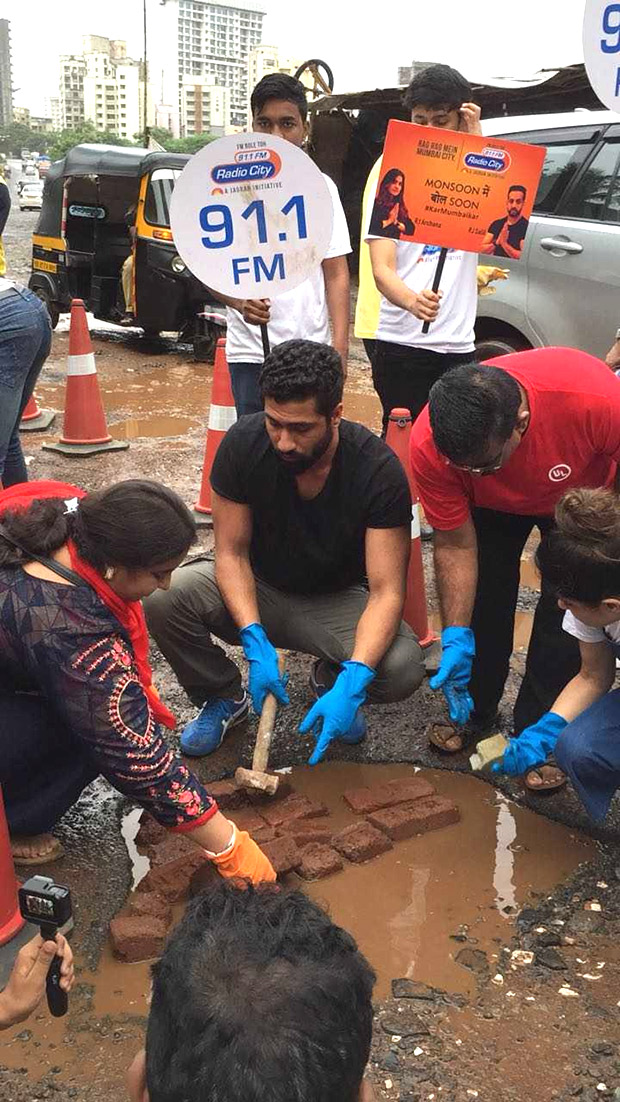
(25, 341)
(245, 388)
(588, 750)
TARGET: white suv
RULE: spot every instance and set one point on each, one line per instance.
(565, 290)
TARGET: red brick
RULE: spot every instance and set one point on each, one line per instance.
(318, 860)
(150, 832)
(172, 880)
(150, 905)
(415, 817)
(291, 808)
(307, 830)
(227, 794)
(170, 848)
(283, 854)
(365, 800)
(361, 842)
(246, 818)
(203, 879)
(136, 937)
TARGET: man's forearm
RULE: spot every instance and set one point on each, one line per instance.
(456, 573)
(227, 300)
(392, 287)
(377, 627)
(337, 292)
(235, 582)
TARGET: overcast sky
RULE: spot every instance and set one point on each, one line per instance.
(484, 38)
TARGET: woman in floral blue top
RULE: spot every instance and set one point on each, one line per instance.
(76, 694)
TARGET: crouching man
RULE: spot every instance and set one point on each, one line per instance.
(311, 516)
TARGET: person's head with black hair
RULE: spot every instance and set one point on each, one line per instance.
(435, 97)
(258, 997)
(301, 384)
(478, 415)
(515, 201)
(279, 106)
(580, 557)
(134, 534)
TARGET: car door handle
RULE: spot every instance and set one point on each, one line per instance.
(560, 244)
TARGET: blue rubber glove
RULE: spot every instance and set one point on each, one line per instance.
(458, 648)
(334, 712)
(264, 673)
(532, 747)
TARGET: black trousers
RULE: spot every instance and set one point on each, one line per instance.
(553, 655)
(403, 376)
(43, 770)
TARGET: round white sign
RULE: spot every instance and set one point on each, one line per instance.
(251, 216)
(601, 48)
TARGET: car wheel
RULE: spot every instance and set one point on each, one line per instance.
(487, 348)
(53, 308)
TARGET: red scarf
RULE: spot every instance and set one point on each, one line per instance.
(128, 613)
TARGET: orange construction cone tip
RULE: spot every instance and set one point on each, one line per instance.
(222, 415)
(35, 419)
(85, 431)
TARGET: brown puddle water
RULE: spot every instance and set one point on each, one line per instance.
(402, 908)
(152, 427)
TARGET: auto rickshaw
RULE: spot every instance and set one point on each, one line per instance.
(83, 237)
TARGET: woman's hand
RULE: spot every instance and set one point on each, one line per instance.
(26, 986)
(243, 859)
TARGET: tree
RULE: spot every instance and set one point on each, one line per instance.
(87, 132)
(176, 145)
(17, 136)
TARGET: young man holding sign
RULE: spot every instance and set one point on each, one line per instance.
(407, 361)
(312, 519)
(318, 305)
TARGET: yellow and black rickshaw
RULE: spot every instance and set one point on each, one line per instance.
(83, 237)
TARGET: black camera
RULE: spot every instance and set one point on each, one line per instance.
(48, 906)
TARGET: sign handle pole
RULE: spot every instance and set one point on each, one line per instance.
(265, 339)
(437, 280)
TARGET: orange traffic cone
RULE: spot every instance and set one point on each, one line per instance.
(11, 920)
(35, 419)
(85, 430)
(415, 612)
(221, 416)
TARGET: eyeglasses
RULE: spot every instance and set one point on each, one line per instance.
(488, 468)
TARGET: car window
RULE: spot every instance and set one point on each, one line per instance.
(566, 151)
(159, 194)
(596, 193)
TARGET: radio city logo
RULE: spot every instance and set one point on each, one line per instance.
(560, 472)
(489, 160)
(250, 165)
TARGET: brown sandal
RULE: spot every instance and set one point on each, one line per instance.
(545, 786)
(439, 734)
(55, 852)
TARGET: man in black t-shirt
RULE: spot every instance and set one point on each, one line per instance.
(504, 236)
(312, 527)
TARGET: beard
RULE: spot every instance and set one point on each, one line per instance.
(298, 464)
(512, 213)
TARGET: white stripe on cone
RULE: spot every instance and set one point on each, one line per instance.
(221, 418)
(415, 522)
(81, 365)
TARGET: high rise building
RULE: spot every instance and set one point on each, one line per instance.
(104, 86)
(215, 40)
(6, 77)
(205, 107)
(264, 60)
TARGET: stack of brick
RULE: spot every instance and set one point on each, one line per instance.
(295, 833)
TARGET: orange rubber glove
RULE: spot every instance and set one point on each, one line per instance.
(243, 859)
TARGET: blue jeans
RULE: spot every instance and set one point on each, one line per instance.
(245, 388)
(588, 750)
(25, 341)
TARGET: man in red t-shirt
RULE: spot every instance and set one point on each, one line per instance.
(493, 451)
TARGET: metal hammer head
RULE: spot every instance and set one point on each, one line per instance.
(253, 779)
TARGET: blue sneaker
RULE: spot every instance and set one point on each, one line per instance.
(357, 730)
(206, 732)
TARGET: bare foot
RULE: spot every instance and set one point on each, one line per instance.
(544, 777)
(37, 848)
(444, 737)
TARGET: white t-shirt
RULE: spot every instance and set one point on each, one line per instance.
(5, 284)
(300, 314)
(453, 331)
(609, 634)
